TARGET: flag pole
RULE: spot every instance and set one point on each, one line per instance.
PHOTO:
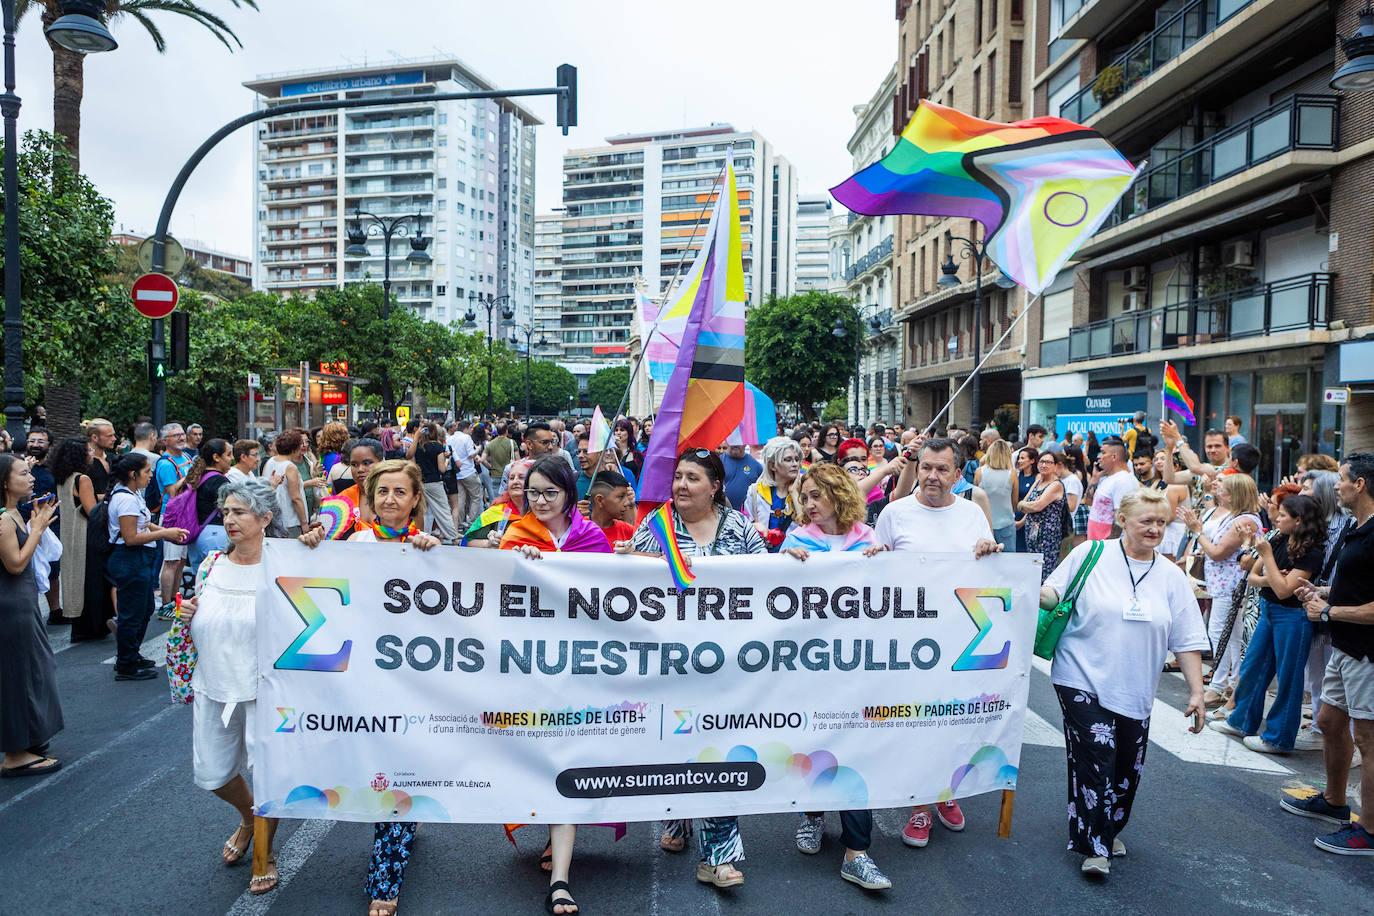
(1163, 399)
(977, 368)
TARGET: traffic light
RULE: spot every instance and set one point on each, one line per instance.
(157, 361)
(567, 101)
(181, 341)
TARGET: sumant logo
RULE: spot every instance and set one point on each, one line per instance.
(288, 718)
(293, 659)
(685, 720)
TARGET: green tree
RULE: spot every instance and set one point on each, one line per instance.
(71, 319)
(607, 387)
(228, 341)
(791, 352)
(550, 387)
(837, 408)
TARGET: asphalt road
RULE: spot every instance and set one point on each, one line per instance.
(123, 829)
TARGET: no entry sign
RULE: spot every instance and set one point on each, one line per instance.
(155, 295)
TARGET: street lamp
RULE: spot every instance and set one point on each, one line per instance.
(1358, 73)
(839, 331)
(528, 332)
(79, 28)
(470, 323)
(9, 108)
(970, 250)
(366, 224)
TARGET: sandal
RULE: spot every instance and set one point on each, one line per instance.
(382, 908)
(546, 859)
(670, 843)
(231, 854)
(568, 904)
(254, 883)
(725, 875)
(32, 768)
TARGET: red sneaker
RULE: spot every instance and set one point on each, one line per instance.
(950, 815)
(917, 830)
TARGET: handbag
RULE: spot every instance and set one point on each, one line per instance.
(1053, 621)
(181, 649)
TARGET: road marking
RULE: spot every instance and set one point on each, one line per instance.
(154, 648)
(117, 805)
(1039, 731)
(1169, 732)
(291, 858)
(69, 768)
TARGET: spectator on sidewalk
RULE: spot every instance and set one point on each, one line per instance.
(169, 472)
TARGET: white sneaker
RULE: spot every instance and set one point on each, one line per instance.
(1260, 746)
(1308, 739)
(1226, 728)
(1096, 866)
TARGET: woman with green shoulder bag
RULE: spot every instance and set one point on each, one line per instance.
(1134, 607)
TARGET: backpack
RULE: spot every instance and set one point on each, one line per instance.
(181, 511)
(152, 494)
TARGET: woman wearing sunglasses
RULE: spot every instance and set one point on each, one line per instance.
(706, 526)
(551, 523)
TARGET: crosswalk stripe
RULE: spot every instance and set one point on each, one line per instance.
(153, 648)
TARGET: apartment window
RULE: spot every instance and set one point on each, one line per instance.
(1018, 10)
(992, 83)
(977, 88)
(1014, 66)
(978, 21)
(949, 66)
(940, 57)
(992, 17)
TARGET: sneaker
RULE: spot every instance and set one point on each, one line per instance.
(1260, 746)
(1352, 840)
(950, 815)
(917, 830)
(138, 674)
(167, 612)
(1118, 848)
(809, 834)
(1309, 739)
(863, 871)
(1097, 866)
(1318, 808)
(1226, 728)
(146, 662)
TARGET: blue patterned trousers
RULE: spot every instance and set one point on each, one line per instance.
(392, 842)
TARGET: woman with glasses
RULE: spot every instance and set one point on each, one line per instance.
(551, 523)
(769, 503)
(706, 526)
(1047, 514)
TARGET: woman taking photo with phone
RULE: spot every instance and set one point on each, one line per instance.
(1135, 607)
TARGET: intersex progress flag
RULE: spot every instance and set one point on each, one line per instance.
(1040, 187)
(704, 400)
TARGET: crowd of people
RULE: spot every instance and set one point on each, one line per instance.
(1179, 562)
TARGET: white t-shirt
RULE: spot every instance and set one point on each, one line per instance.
(124, 502)
(1106, 500)
(909, 524)
(1105, 654)
(462, 448)
(235, 474)
(1072, 486)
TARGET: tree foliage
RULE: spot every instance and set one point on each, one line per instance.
(606, 387)
(791, 352)
(550, 388)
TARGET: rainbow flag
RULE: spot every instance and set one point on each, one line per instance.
(490, 516)
(1175, 398)
(1040, 187)
(661, 526)
(704, 401)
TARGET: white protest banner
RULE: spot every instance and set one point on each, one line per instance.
(480, 686)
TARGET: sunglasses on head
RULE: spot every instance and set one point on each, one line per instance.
(702, 453)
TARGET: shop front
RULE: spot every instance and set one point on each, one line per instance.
(308, 396)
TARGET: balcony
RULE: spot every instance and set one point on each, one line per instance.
(871, 259)
(1297, 303)
(1301, 122)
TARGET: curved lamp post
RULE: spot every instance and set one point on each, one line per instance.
(470, 323)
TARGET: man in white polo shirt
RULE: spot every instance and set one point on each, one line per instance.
(934, 520)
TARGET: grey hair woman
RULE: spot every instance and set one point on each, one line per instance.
(770, 503)
(223, 621)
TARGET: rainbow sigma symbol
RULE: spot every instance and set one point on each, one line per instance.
(293, 659)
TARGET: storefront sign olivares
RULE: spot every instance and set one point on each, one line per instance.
(1099, 413)
(482, 687)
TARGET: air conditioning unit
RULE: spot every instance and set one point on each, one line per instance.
(1238, 254)
(1131, 301)
(1137, 277)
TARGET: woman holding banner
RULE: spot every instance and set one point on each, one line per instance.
(396, 494)
(1132, 610)
(551, 522)
(224, 611)
(705, 525)
(835, 510)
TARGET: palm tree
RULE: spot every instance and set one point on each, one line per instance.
(63, 402)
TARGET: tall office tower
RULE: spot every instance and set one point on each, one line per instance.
(813, 244)
(548, 282)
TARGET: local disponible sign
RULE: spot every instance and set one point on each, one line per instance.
(483, 687)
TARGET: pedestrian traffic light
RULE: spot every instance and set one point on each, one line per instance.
(181, 341)
(567, 101)
(157, 361)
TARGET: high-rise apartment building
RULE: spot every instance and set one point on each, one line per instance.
(1241, 254)
(464, 168)
(813, 247)
(548, 282)
(640, 206)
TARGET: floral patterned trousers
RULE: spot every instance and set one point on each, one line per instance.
(1106, 756)
(392, 842)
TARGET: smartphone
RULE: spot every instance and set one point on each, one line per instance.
(33, 503)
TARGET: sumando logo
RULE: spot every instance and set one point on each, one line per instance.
(293, 659)
(288, 719)
(685, 721)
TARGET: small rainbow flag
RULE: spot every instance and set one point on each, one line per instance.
(661, 525)
(490, 516)
(1175, 398)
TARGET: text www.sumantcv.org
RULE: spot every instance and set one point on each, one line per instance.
(660, 779)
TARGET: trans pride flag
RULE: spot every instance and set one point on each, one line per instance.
(662, 334)
(704, 400)
(1040, 187)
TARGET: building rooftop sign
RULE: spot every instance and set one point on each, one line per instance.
(369, 81)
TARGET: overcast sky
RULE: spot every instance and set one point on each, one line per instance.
(791, 70)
